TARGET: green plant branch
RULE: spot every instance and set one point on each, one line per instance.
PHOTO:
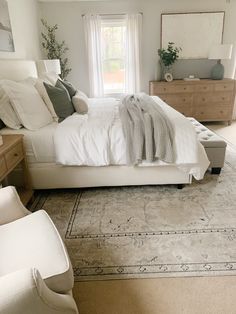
(53, 48)
(170, 55)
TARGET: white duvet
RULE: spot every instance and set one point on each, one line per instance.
(97, 139)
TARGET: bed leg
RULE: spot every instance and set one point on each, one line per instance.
(215, 170)
(180, 186)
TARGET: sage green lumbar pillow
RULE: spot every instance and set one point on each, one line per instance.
(70, 88)
(60, 99)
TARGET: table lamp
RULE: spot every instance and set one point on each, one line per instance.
(219, 52)
(47, 66)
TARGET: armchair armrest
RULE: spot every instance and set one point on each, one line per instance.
(11, 207)
(25, 292)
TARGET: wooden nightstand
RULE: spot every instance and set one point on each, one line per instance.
(12, 154)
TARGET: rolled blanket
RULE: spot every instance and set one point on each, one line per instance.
(148, 131)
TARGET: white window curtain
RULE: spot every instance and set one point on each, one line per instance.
(133, 53)
(92, 26)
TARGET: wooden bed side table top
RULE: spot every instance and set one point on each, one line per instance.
(12, 154)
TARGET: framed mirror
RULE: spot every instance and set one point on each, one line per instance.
(194, 32)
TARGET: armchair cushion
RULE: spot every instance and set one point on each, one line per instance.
(34, 242)
(11, 207)
(24, 291)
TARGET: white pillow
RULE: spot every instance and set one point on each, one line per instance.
(80, 102)
(44, 95)
(28, 105)
(7, 114)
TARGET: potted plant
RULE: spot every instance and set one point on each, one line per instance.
(55, 49)
(167, 59)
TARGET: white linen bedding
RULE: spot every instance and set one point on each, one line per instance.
(39, 145)
(97, 139)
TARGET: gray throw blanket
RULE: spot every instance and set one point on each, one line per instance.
(148, 132)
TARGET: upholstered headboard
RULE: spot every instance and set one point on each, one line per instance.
(17, 70)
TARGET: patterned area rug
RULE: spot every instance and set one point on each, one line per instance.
(149, 231)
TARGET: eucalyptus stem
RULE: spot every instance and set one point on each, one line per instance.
(55, 49)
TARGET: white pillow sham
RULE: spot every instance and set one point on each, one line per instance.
(7, 114)
(28, 105)
(80, 102)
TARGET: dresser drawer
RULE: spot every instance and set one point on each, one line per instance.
(186, 111)
(3, 167)
(224, 87)
(213, 113)
(14, 155)
(204, 88)
(177, 99)
(216, 97)
(165, 88)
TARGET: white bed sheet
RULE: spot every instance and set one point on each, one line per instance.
(39, 145)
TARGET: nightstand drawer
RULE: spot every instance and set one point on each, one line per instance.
(3, 167)
(14, 155)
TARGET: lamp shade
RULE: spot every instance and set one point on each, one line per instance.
(46, 66)
(220, 52)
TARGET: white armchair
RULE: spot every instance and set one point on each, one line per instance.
(36, 276)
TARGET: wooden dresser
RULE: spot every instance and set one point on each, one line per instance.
(205, 100)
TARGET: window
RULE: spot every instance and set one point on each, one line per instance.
(113, 55)
(114, 48)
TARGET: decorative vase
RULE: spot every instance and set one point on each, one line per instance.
(166, 72)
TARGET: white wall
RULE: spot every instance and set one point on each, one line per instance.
(24, 22)
(68, 17)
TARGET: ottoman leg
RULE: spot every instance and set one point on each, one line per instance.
(180, 186)
(215, 170)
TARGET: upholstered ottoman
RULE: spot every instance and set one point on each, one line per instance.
(214, 146)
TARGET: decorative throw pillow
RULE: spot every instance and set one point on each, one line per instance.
(44, 95)
(7, 114)
(80, 102)
(60, 99)
(70, 88)
(28, 105)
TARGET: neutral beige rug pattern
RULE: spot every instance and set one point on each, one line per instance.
(150, 231)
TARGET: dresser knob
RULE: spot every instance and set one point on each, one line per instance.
(223, 98)
(203, 99)
(184, 99)
(221, 111)
(15, 155)
(202, 112)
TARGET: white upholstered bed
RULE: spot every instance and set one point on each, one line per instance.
(47, 174)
